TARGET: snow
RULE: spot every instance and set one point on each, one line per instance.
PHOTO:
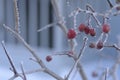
(60, 64)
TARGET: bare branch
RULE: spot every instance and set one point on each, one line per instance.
(83, 47)
(9, 58)
(88, 6)
(59, 16)
(110, 4)
(113, 46)
(34, 71)
(24, 76)
(25, 44)
(11, 63)
(39, 61)
(16, 16)
(47, 26)
(106, 73)
(77, 60)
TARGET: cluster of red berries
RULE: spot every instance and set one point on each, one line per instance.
(72, 33)
(87, 30)
(99, 45)
(83, 28)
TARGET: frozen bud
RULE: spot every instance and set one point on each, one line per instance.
(92, 45)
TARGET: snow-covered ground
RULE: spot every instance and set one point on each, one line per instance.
(60, 64)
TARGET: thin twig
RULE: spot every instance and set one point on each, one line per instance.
(83, 47)
(24, 76)
(77, 61)
(106, 73)
(34, 71)
(59, 16)
(113, 46)
(9, 58)
(47, 26)
(110, 4)
(114, 68)
(16, 16)
(71, 70)
(88, 6)
(77, 58)
(11, 63)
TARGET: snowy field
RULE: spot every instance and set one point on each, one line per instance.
(60, 64)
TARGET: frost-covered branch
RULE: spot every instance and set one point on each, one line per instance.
(39, 61)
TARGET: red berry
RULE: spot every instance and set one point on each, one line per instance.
(92, 32)
(48, 58)
(118, 8)
(105, 28)
(71, 34)
(87, 30)
(94, 74)
(81, 27)
(100, 45)
(92, 45)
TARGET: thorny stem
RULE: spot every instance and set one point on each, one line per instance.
(39, 61)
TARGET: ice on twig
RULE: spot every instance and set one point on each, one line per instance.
(47, 26)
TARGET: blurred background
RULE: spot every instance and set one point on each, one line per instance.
(35, 14)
